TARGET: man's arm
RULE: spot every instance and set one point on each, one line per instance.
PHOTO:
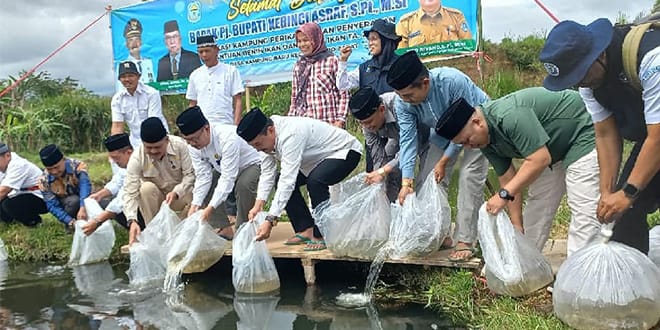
(608, 146)
(238, 108)
(648, 161)
(117, 127)
(515, 206)
(4, 190)
(192, 103)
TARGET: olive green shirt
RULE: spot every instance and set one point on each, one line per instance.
(522, 122)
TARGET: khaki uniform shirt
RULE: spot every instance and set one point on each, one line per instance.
(418, 28)
(172, 173)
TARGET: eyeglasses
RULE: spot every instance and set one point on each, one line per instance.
(194, 138)
(173, 36)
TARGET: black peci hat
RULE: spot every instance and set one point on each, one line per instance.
(50, 155)
(152, 130)
(191, 120)
(452, 121)
(404, 70)
(116, 142)
(364, 103)
(252, 124)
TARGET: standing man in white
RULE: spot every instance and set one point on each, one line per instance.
(215, 87)
(134, 103)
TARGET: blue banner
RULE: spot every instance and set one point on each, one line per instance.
(257, 36)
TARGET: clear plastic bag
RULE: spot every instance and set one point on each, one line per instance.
(95, 247)
(421, 224)
(254, 312)
(654, 245)
(514, 266)
(358, 224)
(607, 285)
(149, 253)
(195, 246)
(3, 251)
(253, 268)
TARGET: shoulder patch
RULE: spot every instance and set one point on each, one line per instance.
(408, 16)
(453, 10)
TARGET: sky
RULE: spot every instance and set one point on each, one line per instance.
(30, 30)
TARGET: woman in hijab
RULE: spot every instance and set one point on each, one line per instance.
(314, 91)
(382, 41)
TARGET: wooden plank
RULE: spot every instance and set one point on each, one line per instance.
(284, 230)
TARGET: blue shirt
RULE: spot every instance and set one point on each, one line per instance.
(446, 86)
(75, 181)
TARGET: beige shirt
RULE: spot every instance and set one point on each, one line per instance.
(174, 172)
(417, 28)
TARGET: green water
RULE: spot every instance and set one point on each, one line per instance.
(41, 296)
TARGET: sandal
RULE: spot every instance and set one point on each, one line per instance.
(469, 256)
(297, 239)
(315, 246)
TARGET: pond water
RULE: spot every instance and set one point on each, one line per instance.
(42, 296)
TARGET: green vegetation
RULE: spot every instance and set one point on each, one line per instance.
(524, 52)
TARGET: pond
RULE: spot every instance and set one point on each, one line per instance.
(42, 296)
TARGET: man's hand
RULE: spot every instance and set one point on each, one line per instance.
(82, 214)
(495, 204)
(96, 196)
(338, 123)
(204, 216)
(171, 197)
(258, 207)
(133, 232)
(263, 232)
(193, 208)
(612, 206)
(405, 191)
(345, 52)
(439, 170)
(90, 226)
(375, 176)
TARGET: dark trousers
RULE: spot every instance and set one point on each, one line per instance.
(632, 229)
(327, 173)
(71, 205)
(24, 208)
(121, 218)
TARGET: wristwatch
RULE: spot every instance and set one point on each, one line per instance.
(272, 219)
(504, 194)
(630, 191)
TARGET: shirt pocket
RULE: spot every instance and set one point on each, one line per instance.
(391, 148)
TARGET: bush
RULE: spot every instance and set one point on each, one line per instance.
(524, 52)
(275, 99)
(502, 83)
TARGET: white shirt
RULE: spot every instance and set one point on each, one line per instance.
(301, 145)
(134, 109)
(649, 76)
(213, 89)
(347, 79)
(21, 176)
(226, 153)
(114, 186)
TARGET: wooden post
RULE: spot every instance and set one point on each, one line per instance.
(309, 270)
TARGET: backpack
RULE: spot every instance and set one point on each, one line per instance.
(631, 45)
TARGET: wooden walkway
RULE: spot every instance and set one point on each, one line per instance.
(283, 231)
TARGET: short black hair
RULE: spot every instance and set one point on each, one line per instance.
(269, 123)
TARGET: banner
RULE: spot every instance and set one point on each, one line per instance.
(257, 36)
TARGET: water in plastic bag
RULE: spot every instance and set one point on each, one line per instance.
(358, 224)
(95, 247)
(3, 251)
(149, 254)
(607, 285)
(421, 224)
(253, 268)
(514, 266)
(654, 245)
(194, 248)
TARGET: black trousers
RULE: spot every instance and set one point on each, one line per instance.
(633, 229)
(327, 173)
(24, 208)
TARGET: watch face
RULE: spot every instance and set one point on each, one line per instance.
(503, 194)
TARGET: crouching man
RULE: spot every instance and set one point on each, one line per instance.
(160, 170)
(311, 153)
